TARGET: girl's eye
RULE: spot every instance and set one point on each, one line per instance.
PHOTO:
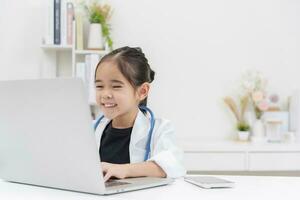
(116, 86)
(99, 86)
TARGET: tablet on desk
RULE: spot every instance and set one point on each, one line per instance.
(209, 182)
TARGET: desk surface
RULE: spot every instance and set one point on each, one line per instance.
(246, 187)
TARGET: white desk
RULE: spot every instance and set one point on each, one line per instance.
(247, 187)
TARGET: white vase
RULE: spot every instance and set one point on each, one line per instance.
(95, 39)
(243, 135)
(258, 131)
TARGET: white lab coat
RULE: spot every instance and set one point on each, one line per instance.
(164, 151)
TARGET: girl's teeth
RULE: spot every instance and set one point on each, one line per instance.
(109, 105)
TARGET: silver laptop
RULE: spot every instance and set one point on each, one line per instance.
(47, 138)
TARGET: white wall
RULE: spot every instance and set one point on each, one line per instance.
(197, 48)
(20, 38)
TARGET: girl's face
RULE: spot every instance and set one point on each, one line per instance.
(114, 94)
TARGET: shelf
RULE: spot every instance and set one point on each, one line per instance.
(84, 52)
(205, 145)
(56, 47)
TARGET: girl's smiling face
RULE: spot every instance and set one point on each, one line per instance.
(114, 94)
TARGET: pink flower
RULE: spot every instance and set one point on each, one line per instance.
(263, 105)
(257, 96)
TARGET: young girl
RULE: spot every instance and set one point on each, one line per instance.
(122, 80)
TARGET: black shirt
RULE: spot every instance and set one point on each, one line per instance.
(114, 145)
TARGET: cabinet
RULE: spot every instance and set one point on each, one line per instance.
(274, 161)
(215, 161)
(237, 156)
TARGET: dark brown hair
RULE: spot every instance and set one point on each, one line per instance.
(133, 64)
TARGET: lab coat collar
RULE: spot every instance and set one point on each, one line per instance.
(138, 135)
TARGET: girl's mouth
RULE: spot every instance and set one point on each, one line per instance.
(109, 105)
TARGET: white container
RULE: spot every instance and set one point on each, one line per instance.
(258, 132)
(95, 39)
(243, 135)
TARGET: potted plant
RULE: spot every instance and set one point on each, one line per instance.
(242, 126)
(243, 131)
(99, 14)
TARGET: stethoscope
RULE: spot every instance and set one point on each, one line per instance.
(152, 123)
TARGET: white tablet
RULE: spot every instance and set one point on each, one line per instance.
(209, 182)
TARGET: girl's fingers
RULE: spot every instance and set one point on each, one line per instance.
(104, 170)
(107, 176)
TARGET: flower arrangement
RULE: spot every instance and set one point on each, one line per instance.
(254, 86)
(242, 125)
(101, 13)
(260, 103)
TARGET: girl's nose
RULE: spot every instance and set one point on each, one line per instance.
(106, 96)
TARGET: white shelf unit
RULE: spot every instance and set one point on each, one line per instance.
(84, 52)
(56, 47)
(53, 54)
(76, 54)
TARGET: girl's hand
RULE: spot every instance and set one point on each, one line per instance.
(114, 170)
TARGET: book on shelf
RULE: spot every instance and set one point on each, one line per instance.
(58, 26)
(81, 72)
(63, 21)
(79, 31)
(57, 22)
(70, 18)
(49, 24)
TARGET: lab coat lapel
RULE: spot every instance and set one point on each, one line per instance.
(99, 131)
(137, 147)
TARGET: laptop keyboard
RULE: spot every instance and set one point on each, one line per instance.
(111, 183)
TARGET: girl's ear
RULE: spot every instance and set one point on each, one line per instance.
(143, 91)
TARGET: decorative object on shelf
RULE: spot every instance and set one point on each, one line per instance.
(99, 14)
(276, 121)
(260, 103)
(243, 131)
(242, 126)
(95, 37)
(282, 116)
(258, 132)
(273, 130)
(265, 109)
